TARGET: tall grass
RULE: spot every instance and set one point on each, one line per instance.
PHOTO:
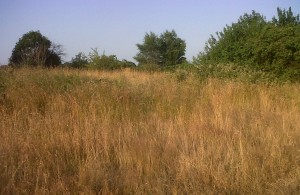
(127, 132)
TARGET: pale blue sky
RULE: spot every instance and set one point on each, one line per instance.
(117, 26)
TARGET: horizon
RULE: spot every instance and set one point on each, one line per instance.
(116, 27)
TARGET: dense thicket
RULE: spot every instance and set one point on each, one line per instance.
(34, 49)
(257, 44)
(96, 61)
(164, 50)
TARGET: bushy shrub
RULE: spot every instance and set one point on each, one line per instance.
(254, 44)
(100, 62)
(80, 61)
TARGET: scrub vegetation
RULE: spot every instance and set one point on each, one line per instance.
(226, 123)
(131, 132)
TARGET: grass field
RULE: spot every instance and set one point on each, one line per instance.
(128, 132)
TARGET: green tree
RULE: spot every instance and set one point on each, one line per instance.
(278, 50)
(236, 43)
(257, 45)
(164, 50)
(80, 61)
(286, 17)
(172, 48)
(34, 49)
(149, 50)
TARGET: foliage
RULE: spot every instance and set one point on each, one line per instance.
(256, 44)
(127, 64)
(149, 50)
(231, 45)
(286, 17)
(34, 49)
(278, 50)
(80, 61)
(96, 61)
(164, 50)
(104, 62)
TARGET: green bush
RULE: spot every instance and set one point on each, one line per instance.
(254, 44)
(98, 62)
(80, 61)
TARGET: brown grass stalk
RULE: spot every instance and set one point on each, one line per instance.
(127, 132)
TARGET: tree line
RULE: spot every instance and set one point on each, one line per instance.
(252, 43)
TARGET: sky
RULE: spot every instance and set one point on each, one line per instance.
(116, 26)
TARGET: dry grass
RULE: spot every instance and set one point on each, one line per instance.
(126, 132)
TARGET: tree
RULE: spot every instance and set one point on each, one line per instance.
(80, 61)
(278, 50)
(149, 50)
(34, 49)
(256, 44)
(172, 48)
(236, 43)
(286, 17)
(165, 50)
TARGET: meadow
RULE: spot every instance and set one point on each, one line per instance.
(131, 132)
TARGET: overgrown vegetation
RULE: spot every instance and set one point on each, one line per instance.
(128, 132)
(257, 45)
(100, 62)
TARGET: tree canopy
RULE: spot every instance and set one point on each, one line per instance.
(34, 49)
(253, 42)
(165, 50)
